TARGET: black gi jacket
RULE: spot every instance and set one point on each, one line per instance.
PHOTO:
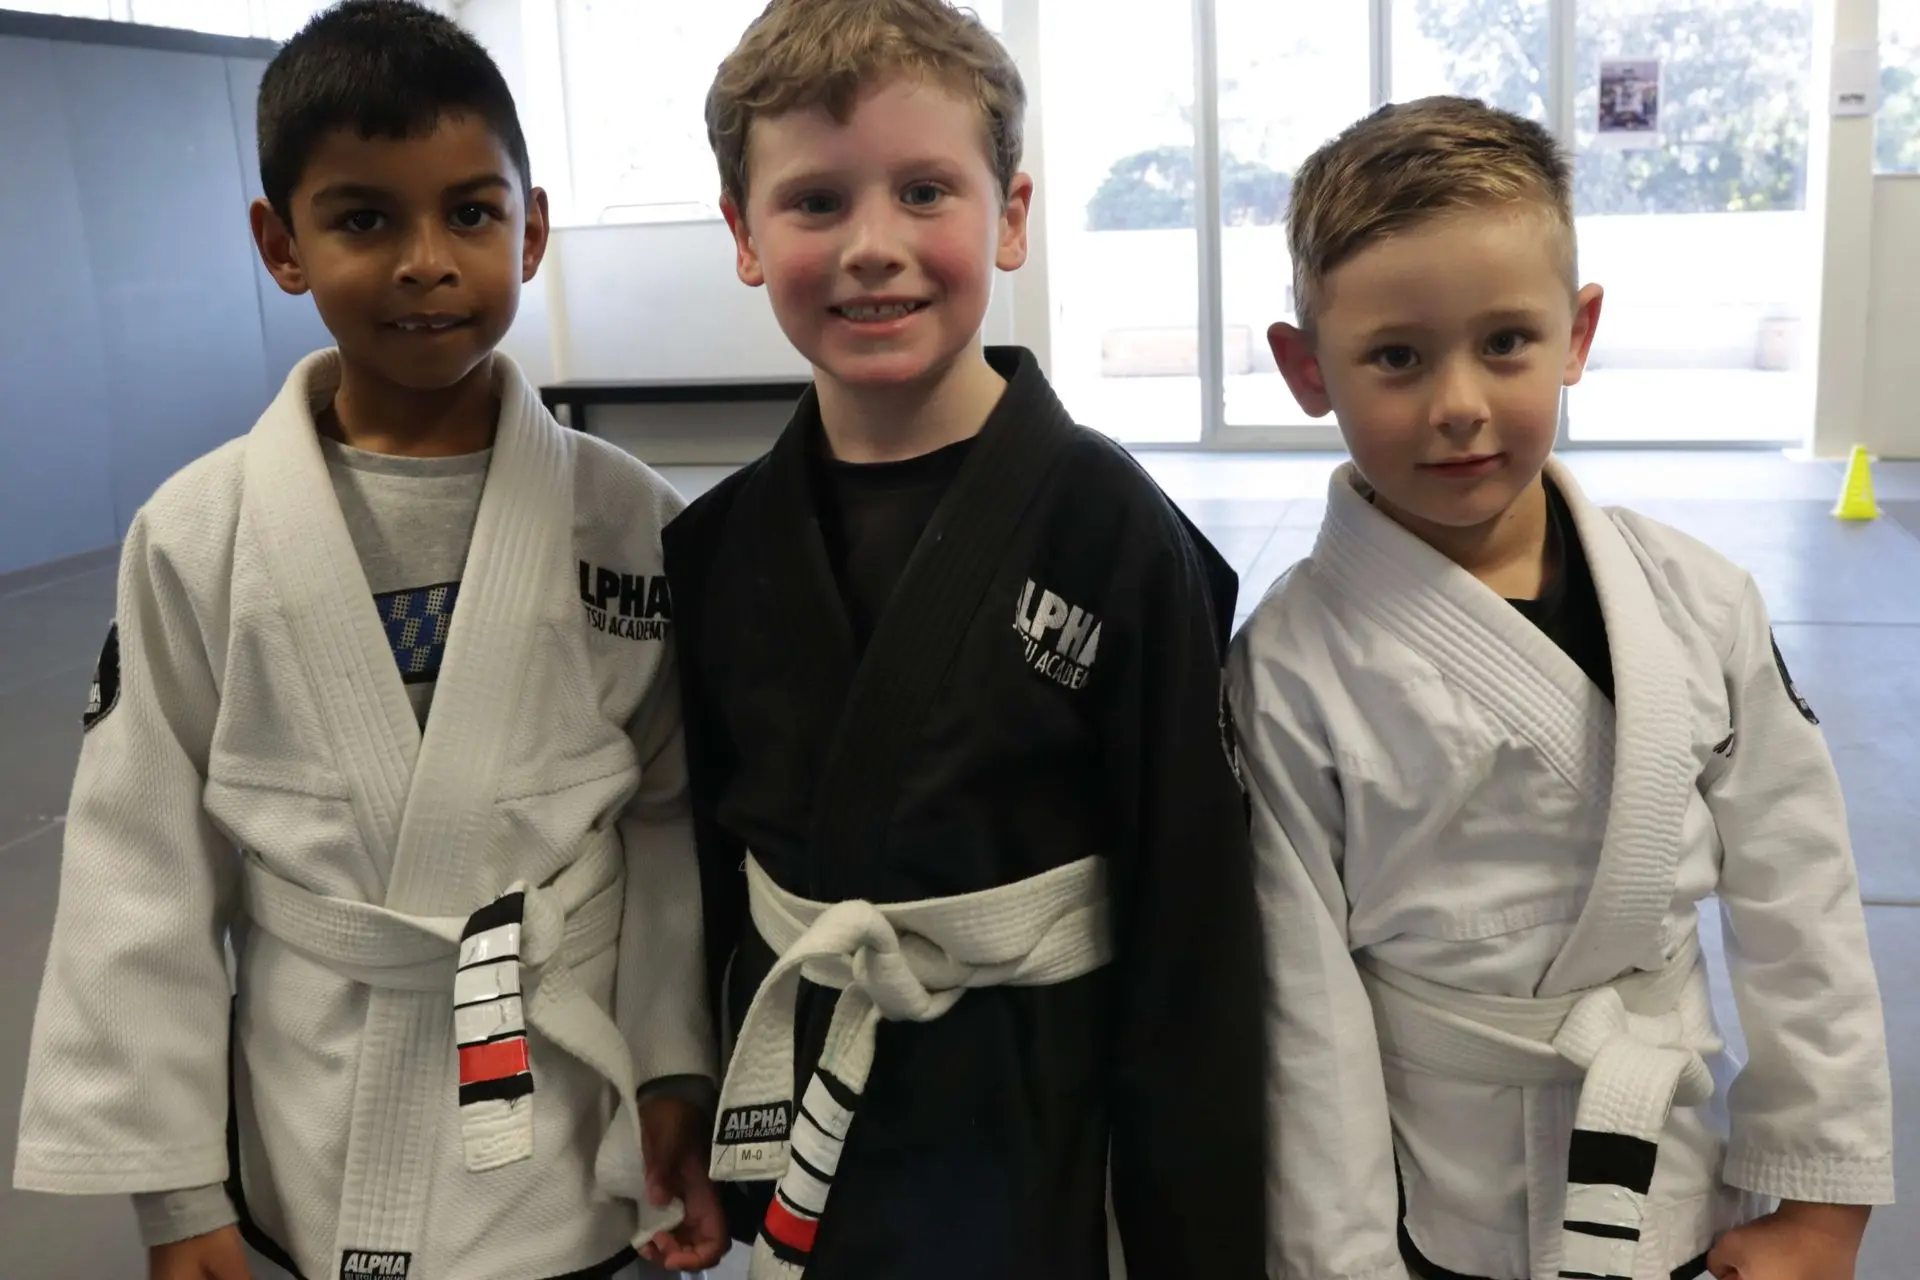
(1043, 685)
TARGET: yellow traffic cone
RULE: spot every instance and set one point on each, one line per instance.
(1856, 491)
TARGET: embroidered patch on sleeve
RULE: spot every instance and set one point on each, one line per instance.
(1787, 680)
(105, 693)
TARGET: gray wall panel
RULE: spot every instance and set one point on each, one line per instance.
(56, 498)
(165, 215)
(290, 326)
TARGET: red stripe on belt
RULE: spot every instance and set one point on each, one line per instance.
(789, 1228)
(495, 1061)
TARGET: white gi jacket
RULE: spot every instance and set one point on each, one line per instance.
(1445, 808)
(256, 764)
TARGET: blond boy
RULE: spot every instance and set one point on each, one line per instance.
(1501, 743)
(980, 895)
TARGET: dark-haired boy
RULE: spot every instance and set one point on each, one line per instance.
(405, 646)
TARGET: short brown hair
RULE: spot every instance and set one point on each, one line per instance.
(824, 53)
(1408, 162)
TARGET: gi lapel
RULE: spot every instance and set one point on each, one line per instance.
(518, 572)
(795, 577)
(518, 568)
(1478, 641)
(1622, 926)
(330, 610)
(922, 627)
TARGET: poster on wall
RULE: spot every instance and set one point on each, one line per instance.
(1629, 104)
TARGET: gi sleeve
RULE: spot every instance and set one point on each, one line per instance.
(1332, 1195)
(1811, 1111)
(127, 1072)
(1187, 1138)
(660, 997)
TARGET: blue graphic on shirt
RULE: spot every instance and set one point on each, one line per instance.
(417, 622)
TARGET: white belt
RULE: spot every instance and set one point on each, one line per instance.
(547, 930)
(908, 961)
(1637, 1047)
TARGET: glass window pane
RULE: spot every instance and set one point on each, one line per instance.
(1291, 77)
(1122, 269)
(1690, 201)
(1897, 137)
(217, 17)
(637, 77)
(1493, 50)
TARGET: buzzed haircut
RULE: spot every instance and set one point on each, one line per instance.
(384, 69)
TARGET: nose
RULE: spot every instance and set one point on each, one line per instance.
(1459, 404)
(874, 246)
(426, 256)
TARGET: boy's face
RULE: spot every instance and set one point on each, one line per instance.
(1442, 351)
(414, 248)
(877, 239)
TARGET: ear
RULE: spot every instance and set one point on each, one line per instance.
(533, 247)
(274, 239)
(1014, 217)
(1293, 352)
(746, 257)
(1586, 322)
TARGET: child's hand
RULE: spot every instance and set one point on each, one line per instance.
(673, 1138)
(218, 1255)
(1798, 1242)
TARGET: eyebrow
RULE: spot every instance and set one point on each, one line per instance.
(939, 167)
(364, 191)
(1401, 330)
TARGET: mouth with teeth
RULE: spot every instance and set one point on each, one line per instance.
(879, 314)
(430, 324)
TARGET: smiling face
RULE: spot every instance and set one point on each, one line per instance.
(877, 238)
(414, 249)
(1442, 350)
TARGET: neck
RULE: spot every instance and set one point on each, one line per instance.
(1508, 553)
(891, 423)
(369, 412)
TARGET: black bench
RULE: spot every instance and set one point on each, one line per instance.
(578, 397)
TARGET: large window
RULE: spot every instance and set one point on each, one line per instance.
(1690, 203)
(1897, 140)
(636, 77)
(1698, 232)
(1120, 193)
(1493, 50)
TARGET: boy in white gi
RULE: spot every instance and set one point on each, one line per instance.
(1500, 743)
(389, 699)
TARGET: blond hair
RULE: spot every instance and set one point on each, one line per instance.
(1409, 162)
(824, 53)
